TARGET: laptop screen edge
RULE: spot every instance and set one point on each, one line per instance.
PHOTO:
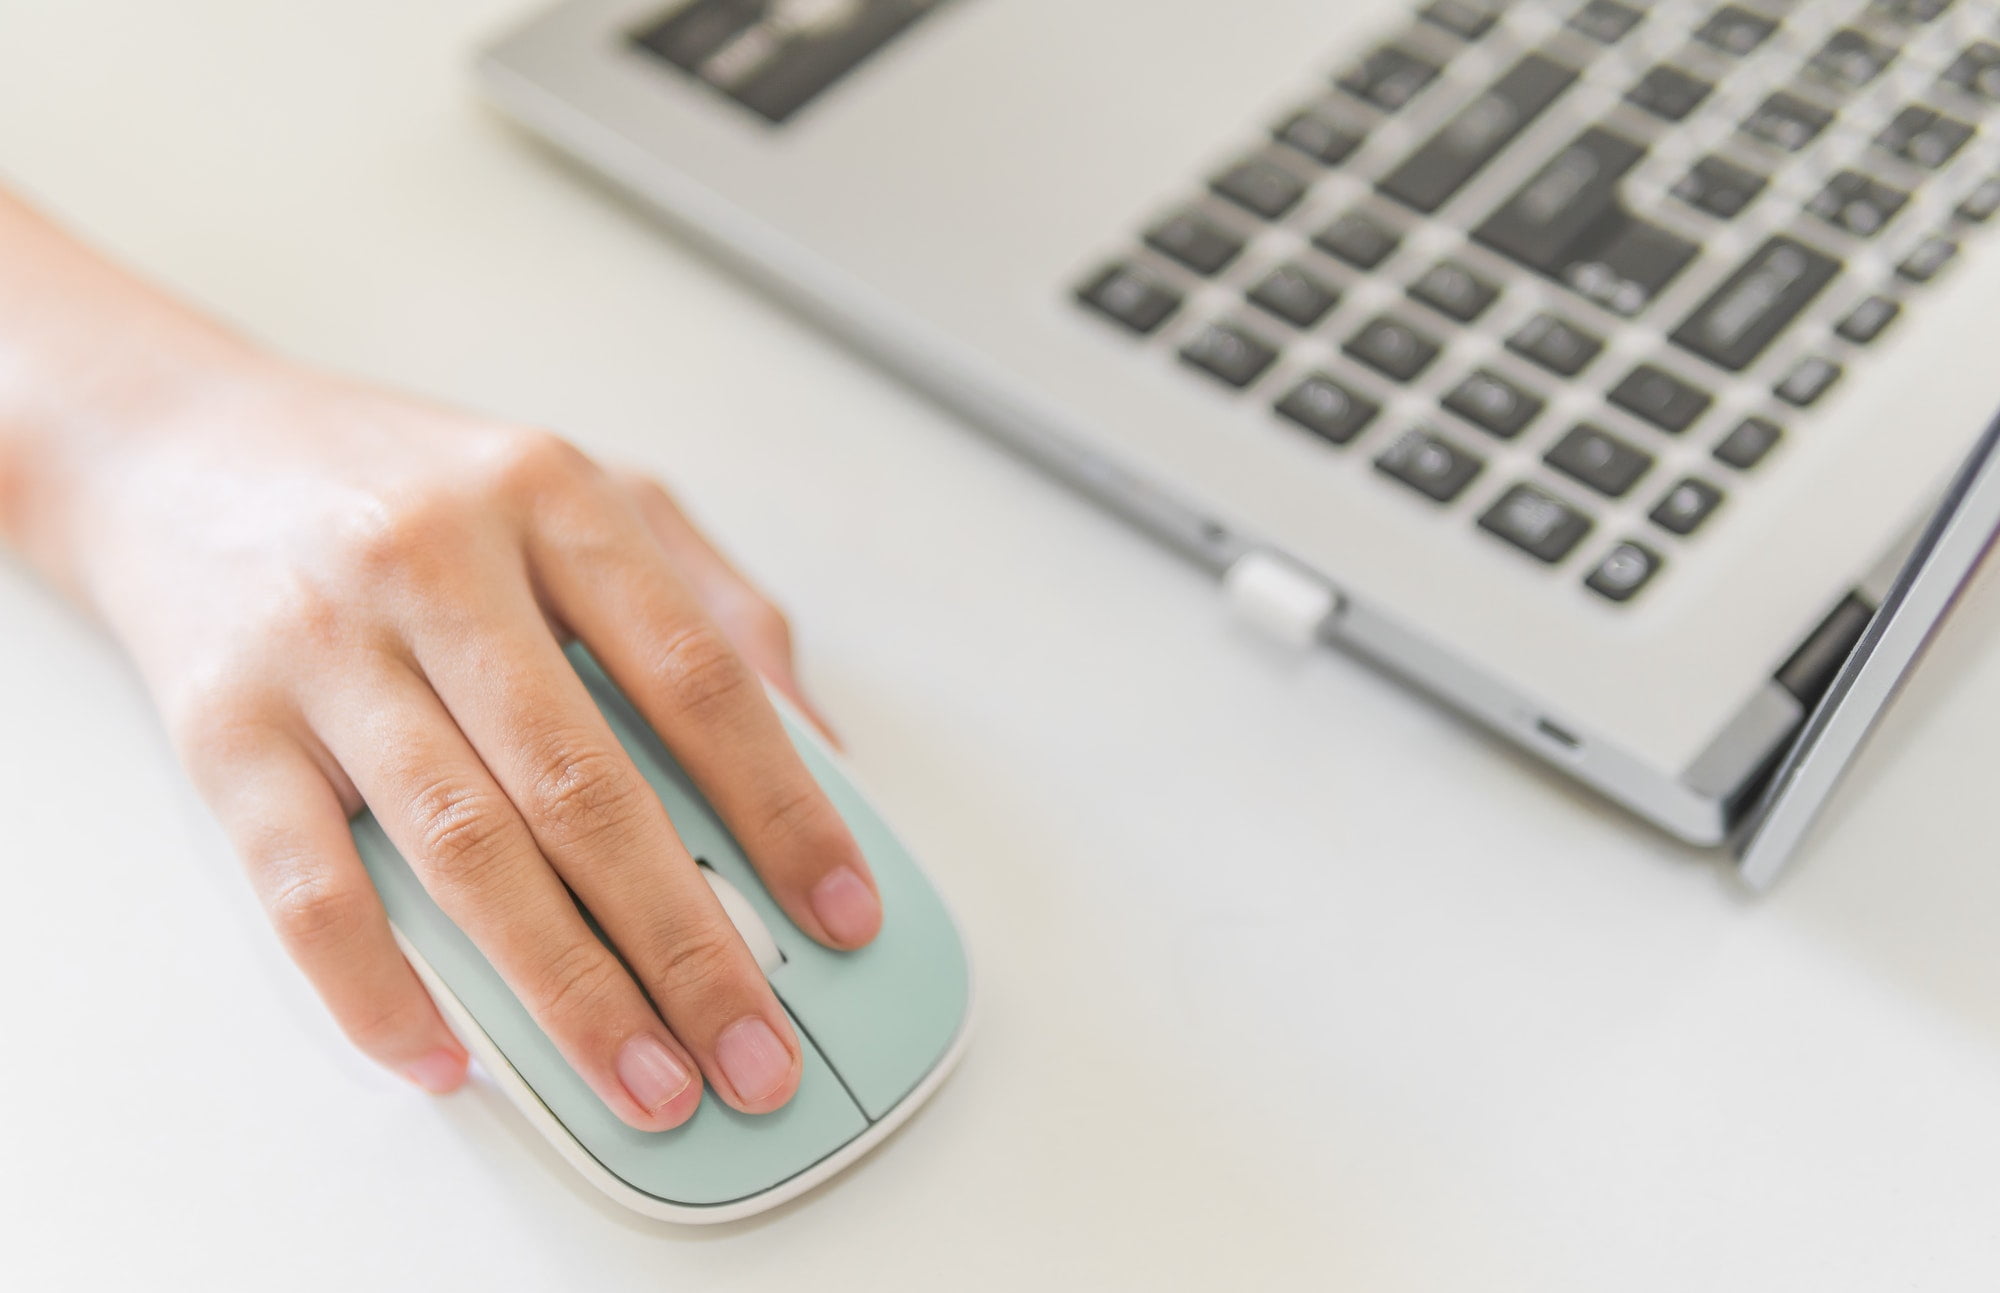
(1961, 533)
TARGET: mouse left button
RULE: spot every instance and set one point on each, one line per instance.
(717, 1157)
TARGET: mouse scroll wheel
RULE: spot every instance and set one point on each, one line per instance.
(755, 934)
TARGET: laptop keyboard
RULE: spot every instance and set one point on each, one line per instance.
(1577, 271)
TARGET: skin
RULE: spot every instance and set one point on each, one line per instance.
(340, 596)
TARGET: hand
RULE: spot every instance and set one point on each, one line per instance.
(340, 596)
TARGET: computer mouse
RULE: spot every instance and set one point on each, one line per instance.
(880, 1027)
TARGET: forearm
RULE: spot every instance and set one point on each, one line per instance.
(90, 356)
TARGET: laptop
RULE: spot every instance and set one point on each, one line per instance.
(1595, 366)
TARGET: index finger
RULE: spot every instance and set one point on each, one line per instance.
(649, 631)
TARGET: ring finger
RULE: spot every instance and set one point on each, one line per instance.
(443, 811)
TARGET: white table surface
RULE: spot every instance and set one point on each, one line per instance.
(1287, 979)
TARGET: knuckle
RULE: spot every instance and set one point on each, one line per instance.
(575, 984)
(406, 537)
(701, 674)
(644, 489)
(307, 619)
(216, 718)
(386, 1027)
(799, 816)
(658, 497)
(312, 911)
(655, 490)
(766, 621)
(461, 831)
(699, 964)
(580, 795)
(532, 463)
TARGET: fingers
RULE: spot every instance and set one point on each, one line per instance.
(469, 846)
(643, 623)
(292, 833)
(756, 627)
(530, 718)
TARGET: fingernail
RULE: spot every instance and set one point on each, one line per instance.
(652, 1073)
(753, 1059)
(847, 908)
(439, 1072)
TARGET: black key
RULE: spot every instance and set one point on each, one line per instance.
(1624, 571)
(1660, 398)
(1632, 268)
(1912, 11)
(1195, 241)
(1541, 225)
(1853, 202)
(1669, 92)
(1322, 133)
(1808, 380)
(1569, 223)
(1743, 316)
(1359, 239)
(1982, 202)
(1538, 523)
(1393, 348)
(1260, 186)
(1493, 404)
(1600, 460)
(1475, 135)
(793, 58)
(1925, 137)
(1977, 70)
(1720, 187)
(1748, 444)
(1852, 59)
(1787, 121)
(1866, 321)
(1429, 465)
(1389, 78)
(1327, 409)
(1234, 355)
(1465, 19)
(1686, 506)
(1130, 296)
(697, 32)
(1556, 344)
(1734, 30)
(1605, 21)
(1450, 288)
(1296, 295)
(1928, 260)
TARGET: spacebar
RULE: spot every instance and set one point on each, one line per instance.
(1428, 177)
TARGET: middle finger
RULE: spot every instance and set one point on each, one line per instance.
(518, 700)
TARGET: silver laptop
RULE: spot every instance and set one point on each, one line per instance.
(1596, 366)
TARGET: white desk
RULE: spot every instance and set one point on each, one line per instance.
(1287, 980)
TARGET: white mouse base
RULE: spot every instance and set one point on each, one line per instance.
(524, 1098)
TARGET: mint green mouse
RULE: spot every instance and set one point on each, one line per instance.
(880, 1027)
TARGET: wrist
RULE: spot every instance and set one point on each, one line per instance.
(74, 427)
(92, 359)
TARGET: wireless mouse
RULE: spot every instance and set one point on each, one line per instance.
(880, 1027)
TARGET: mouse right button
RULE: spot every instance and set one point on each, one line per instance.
(886, 1014)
